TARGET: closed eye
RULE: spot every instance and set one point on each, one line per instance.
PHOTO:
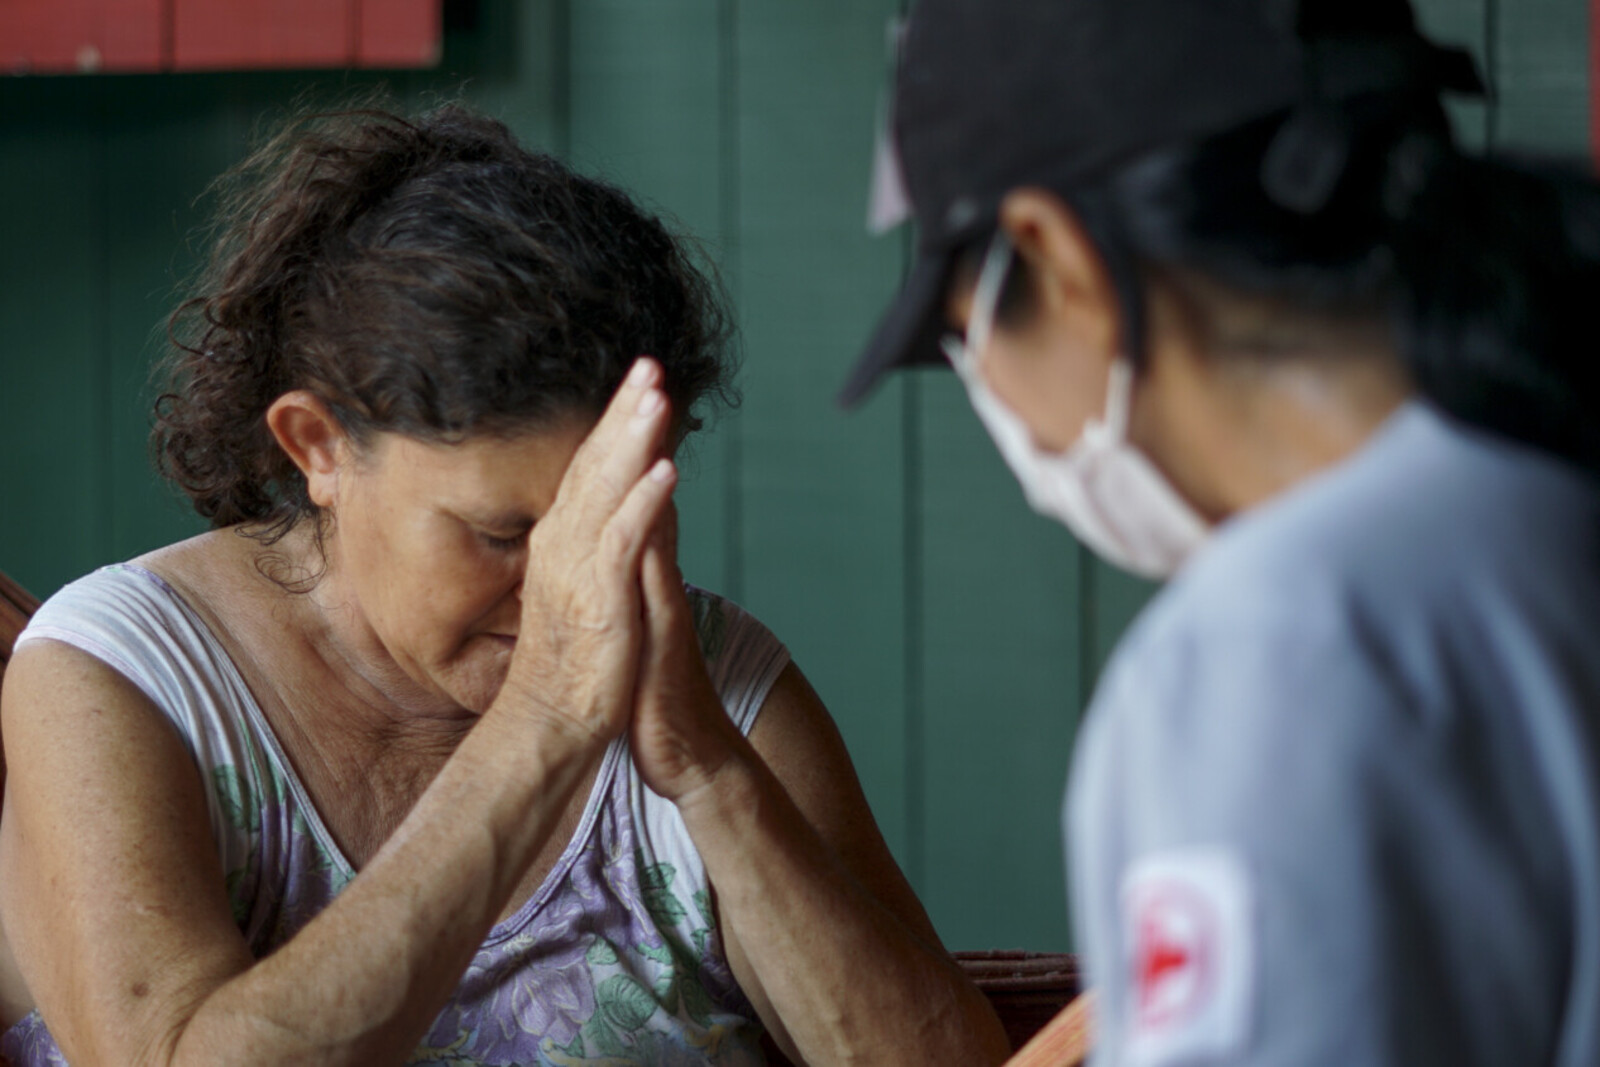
(503, 544)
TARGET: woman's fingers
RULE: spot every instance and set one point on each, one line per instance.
(664, 601)
(582, 628)
(634, 523)
(622, 445)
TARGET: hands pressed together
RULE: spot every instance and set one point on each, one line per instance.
(805, 886)
(607, 640)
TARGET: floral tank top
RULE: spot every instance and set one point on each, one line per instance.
(614, 960)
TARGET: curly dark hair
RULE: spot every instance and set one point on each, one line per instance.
(428, 277)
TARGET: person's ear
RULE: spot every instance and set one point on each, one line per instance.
(312, 438)
(1072, 284)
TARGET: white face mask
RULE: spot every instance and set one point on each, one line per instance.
(1103, 489)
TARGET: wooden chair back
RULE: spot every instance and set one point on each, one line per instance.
(1027, 989)
(17, 606)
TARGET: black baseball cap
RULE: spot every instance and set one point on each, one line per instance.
(991, 95)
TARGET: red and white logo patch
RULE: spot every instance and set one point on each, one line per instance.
(1191, 963)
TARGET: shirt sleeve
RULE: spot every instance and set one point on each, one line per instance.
(1283, 852)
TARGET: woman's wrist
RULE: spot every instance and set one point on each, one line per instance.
(724, 789)
(519, 773)
(530, 743)
(530, 712)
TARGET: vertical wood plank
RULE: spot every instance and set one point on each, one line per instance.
(183, 139)
(135, 35)
(66, 36)
(47, 35)
(1542, 75)
(821, 536)
(397, 33)
(1002, 677)
(1112, 600)
(1594, 80)
(645, 97)
(1463, 24)
(207, 35)
(511, 62)
(52, 282)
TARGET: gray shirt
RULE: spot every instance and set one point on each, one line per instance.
(1336, 800)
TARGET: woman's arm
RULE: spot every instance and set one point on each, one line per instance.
(113, 897)
(820, 925)
(822, 931)
(112, 891)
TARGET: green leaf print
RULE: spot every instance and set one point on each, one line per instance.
(664, 908)
(697, 1002)
(238, 804)
(601, 954)
(656, 875)
(659, 953)
(667, 993)
(241, 908)
(710, 625)
(598, 1035)
(656, 883)
(625, 1002)
(702, 904)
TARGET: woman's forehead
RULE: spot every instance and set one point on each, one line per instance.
(487, 463)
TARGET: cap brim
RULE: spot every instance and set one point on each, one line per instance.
(908, 334)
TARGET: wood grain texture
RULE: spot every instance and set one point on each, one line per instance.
(73, 36)
(821, 492)
(1002, 672)
(53, 277)
(1541, 50)
(646, 113)
(243, 34)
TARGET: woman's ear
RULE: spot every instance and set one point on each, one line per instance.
(1072, 283)
(312, 438)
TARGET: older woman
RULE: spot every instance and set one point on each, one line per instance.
(425, 753)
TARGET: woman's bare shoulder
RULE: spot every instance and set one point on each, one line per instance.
(227, 578)
(207, 567)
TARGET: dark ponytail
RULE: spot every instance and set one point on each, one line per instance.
(1502, 262)
(1488, 269)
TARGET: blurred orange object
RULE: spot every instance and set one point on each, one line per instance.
(1065, 1042)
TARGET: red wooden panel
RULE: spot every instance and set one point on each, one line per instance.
(235, 34)
(66, 36)
(134, 35)
(47, 35)
(398, 33)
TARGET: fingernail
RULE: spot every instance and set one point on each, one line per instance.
(650, 403)
(640, 375)
(662, 471)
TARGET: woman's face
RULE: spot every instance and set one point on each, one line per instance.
(429, 545)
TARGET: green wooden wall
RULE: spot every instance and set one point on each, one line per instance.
(954, 635)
